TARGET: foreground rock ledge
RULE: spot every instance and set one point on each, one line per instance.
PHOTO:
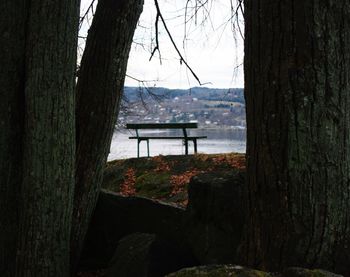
(215, 216)
(147, 255)
(238, 271)
(117, 216)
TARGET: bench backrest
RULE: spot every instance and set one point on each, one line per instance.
(161, 125)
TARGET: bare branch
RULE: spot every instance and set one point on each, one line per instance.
(89, 9)
(235, 15)
(143, 83)
(156, 48)
(182, 60)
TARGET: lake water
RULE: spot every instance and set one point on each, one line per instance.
(218, 141)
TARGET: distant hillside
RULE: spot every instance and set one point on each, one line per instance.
(202, 93)
(211, 108)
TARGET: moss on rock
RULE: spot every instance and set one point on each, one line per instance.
(303, 272)
(238, 271)
(154, 184)
(116, 173)
(219, 271)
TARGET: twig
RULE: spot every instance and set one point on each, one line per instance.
(91, 7)
(156, 48)
(143, 83)
(235, 15)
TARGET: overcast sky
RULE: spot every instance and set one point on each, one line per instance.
(212, 50)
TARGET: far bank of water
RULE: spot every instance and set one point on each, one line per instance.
(220, 140)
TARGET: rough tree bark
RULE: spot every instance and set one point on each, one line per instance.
(297, 65)
(49, 139)
(99, 89)
(12, 41)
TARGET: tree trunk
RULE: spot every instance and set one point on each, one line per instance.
(12, 41)
(99, 90)
(49, 139)
(297, 65)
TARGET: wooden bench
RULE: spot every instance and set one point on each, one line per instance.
(149, 126)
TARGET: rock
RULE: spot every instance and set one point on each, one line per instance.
(219, 271)
(210, 228)
(238, 271)
(215, 216)
(179, 197)
(146, 255)
(117, 216)
(302, 272)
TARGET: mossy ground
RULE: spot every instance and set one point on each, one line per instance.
(165, 177)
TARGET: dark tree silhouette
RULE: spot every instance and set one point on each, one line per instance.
(37, 135)
(12, 41)
(296, 85)
(297, 66)
(39, 161)
(98, 94)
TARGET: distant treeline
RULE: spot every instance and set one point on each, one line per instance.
(212, 94)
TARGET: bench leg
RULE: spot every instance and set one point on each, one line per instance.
(195, 145)
(138, 148)
(186, 147)
(148, 147)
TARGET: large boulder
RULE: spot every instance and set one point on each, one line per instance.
(210, 228)
(147, 255)
(117, 216)
(216, 215)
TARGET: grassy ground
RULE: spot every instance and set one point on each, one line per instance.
(165, 177)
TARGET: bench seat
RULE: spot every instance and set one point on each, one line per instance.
(149, 126)
(172, 137)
